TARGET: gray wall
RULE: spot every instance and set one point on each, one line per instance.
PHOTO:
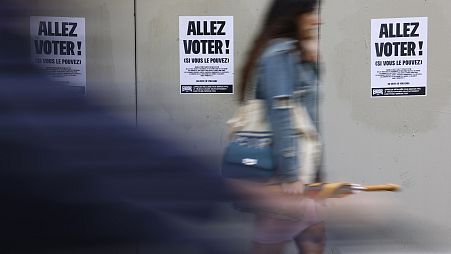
(110, 47)
(197, 120)
(400, 140)
(369, 141)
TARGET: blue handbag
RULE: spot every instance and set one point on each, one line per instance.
(249, 156)
(249, 152)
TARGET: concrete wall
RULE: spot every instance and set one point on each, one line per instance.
(401, 140)
(368, 141)
(110, 47)
(198, 120)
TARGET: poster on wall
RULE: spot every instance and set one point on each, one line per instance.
(206, 55)
(399, 57)
(58, 49)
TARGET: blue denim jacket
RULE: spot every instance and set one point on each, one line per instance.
(280, 77)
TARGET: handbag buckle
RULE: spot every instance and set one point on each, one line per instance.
(249, 162)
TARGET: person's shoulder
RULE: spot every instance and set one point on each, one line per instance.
(279, 46)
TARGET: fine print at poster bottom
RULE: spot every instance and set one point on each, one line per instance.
(207, 89)
(399, 91)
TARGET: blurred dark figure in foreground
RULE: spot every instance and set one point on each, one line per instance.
(70, 172)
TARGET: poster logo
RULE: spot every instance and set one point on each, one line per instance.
(187, 89)
(378, 91)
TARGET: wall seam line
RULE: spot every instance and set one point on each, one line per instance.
(136, 62)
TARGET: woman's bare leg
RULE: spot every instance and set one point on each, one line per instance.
(312, 240)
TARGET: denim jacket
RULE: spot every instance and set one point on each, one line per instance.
(282, 77)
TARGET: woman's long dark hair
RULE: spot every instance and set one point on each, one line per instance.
(280, 21)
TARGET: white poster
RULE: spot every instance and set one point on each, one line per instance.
(206, 54)
(58, 48)
(399, 57)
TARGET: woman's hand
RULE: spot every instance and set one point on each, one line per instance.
(293, 188)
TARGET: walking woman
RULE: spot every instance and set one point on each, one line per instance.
(282, 70)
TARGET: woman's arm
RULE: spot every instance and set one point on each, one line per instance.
(278, 76)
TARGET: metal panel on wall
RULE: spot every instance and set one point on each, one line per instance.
(196, 120)
(110, 48)
(403, 140)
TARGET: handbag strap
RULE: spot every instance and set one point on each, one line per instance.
(251, 90)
